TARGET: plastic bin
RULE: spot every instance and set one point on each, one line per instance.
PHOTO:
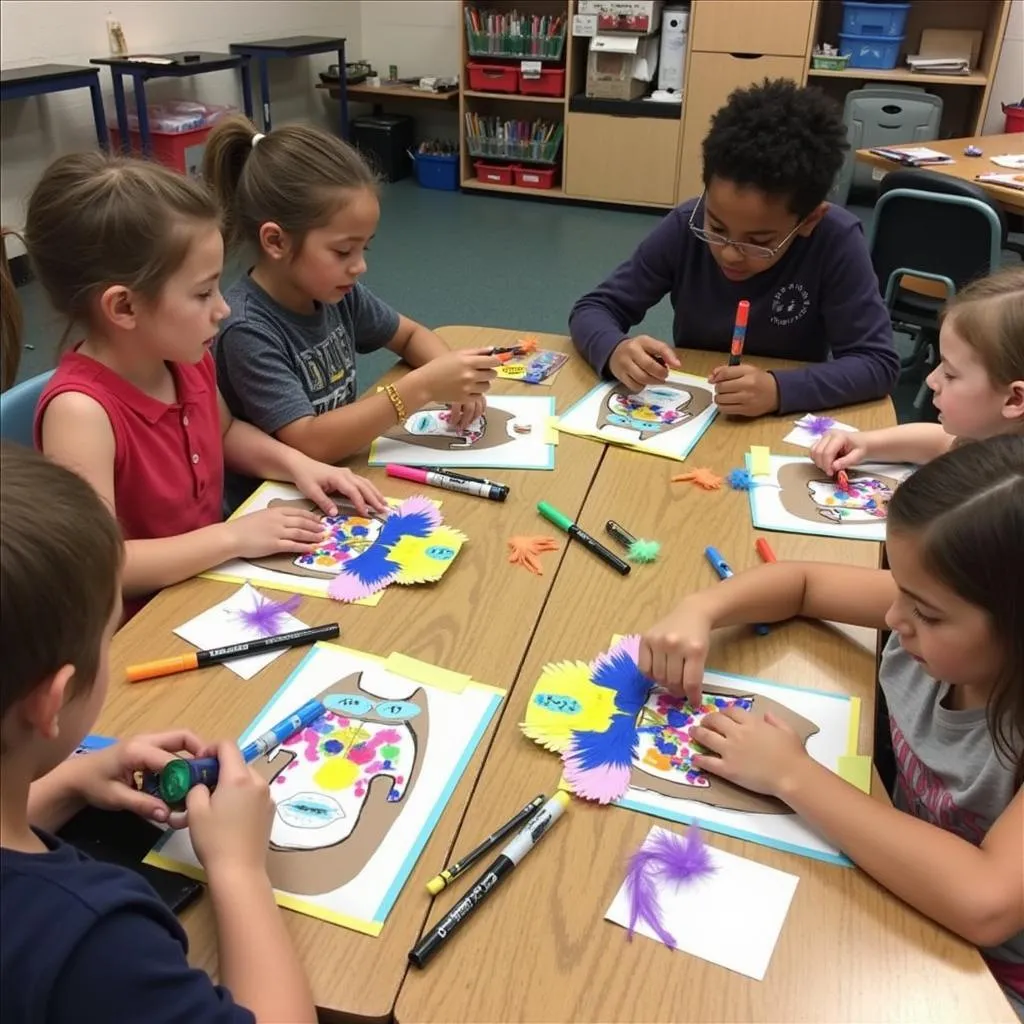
(535, 177)
(550, 82)
(495, 174)
(869, 19)
(181, 151)
(493, 77)
(878, 52)
(1014, 117)
(437, 171)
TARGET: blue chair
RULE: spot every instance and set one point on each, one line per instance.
(18, 409)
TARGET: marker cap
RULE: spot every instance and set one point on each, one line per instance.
(552, 515)
(163, 667)
(437, 883)
(175, 782)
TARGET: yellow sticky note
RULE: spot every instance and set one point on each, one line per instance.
(423, 672)
(856, 770)
(760, 460)
(551, 430)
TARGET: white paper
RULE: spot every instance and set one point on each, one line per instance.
(223, 625)
(802, 436)
(732, 918)
(1014, 162)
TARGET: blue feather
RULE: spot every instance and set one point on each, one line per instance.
(372, 565)
(615, 746)
(399, 525)
(620, 673)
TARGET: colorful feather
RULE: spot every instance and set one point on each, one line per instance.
(597, 765)
(818, 426)
(667, 859)
(739, 479)
(643, 551)
(563, 700)
(266, 617)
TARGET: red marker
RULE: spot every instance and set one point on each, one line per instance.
(764, 549)
(739, 332)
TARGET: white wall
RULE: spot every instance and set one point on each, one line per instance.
(1008, 86)
(420, 36)
(34, 131)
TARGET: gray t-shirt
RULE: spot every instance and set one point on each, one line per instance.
(275, 366)
(947, 769)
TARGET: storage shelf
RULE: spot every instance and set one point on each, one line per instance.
(514, 97)
(486, 186)
(976, 78)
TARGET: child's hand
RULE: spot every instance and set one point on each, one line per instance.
(673, 651)
(635, 362)
(230, 827)
(838, 449)
(458, 376)
(318, 480)
(106, 778)
(273, 531)
(744, 390)
(758, 752)
(461, 414)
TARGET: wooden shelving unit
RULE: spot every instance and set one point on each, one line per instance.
(902, 75)
(514, 97)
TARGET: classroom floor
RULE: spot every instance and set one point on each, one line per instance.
(453, 258)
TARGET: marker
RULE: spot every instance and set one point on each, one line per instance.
(523, 349)
(739, 332)
(181, 774)
(843, 481)
(200, 659)
(478, 488)
(722, 567)
(438, 882)
(764, 549)
(563, 522)
(461, 476)
(502, 867)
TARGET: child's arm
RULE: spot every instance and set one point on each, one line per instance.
(977, 892)
(415, 344)
(674, 650)
(911, 442)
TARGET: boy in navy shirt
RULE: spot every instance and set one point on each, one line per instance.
(82, 940)
(762, 231)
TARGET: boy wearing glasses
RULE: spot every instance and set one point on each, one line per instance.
(762, 231)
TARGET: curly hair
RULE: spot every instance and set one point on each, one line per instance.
(785, 141)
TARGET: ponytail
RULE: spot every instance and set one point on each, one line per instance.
(11, 322)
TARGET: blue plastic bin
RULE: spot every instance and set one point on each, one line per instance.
(441, 172)
(866, 19)
(878, 52)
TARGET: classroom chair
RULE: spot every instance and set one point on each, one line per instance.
(18, 408)
(942, 231)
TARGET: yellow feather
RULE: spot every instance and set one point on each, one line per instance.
(426, 559)
(564, 701)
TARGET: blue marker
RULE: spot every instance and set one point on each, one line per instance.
(724, 570)
(306, 715)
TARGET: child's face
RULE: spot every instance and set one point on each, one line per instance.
(969, 404)
(949, 636)
(747, 215)
(182, 324)
(333, 257)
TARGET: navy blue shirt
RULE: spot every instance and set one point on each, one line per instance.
(819, 303)
(85, 941)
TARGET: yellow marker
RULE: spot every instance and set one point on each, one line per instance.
(438, 882)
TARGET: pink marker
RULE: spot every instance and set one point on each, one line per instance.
(478, 488)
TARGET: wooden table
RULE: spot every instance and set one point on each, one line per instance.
(967, 167)
(480, 623)
(541, 951)
(378, 95)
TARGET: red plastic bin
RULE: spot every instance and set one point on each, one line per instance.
(535, 177)
(181, 151)
(493, 77)
(495, 174)
(550, 83)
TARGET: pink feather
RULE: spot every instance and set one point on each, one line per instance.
(629, 645)
(347, 587)
(605, 783)
(668, 859)
(267, 617)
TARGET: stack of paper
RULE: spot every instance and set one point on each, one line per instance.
(1015, 181)
(939, 65)
(913, 156)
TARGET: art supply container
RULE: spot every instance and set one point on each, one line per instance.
(1014, 117)
(535, 177)
(871, 19)
(494, 174)
(440, 171)
(877, 52)
(492, 77)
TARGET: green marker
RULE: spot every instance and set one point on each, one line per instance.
(563, 522)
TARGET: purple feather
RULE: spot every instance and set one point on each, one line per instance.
(818, 426)
(669, 859)
(267, 617)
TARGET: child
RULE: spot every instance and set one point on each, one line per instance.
(978, 385)
(306, 203)
(10, 319)
(132, 253)
(761, 231)
(953, 678)
(84, 940)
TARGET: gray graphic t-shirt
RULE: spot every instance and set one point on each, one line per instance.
(275, 366)
(948, 773)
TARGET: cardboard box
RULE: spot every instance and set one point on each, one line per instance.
(620, 67)
(640, 17)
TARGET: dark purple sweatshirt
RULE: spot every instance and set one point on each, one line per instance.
(819, 304)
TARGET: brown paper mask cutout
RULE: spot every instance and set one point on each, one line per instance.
(654, 411)
(651, 770)
(428, 428)
(809, 494)
(341, 784)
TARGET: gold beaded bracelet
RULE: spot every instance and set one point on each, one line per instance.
(396, 400)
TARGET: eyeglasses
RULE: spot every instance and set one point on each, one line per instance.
(757, 252)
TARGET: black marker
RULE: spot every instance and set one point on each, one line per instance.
(563, 522)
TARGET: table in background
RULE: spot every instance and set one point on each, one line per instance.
(21, 83)
(121, 67)
(264, 50)
(478, 620)
(381, 94)
(540, 950)
(966, 167)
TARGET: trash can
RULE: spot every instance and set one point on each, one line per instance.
(385, 139)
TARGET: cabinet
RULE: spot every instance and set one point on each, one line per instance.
(781, 27)
(719, 74)
(621, 159)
